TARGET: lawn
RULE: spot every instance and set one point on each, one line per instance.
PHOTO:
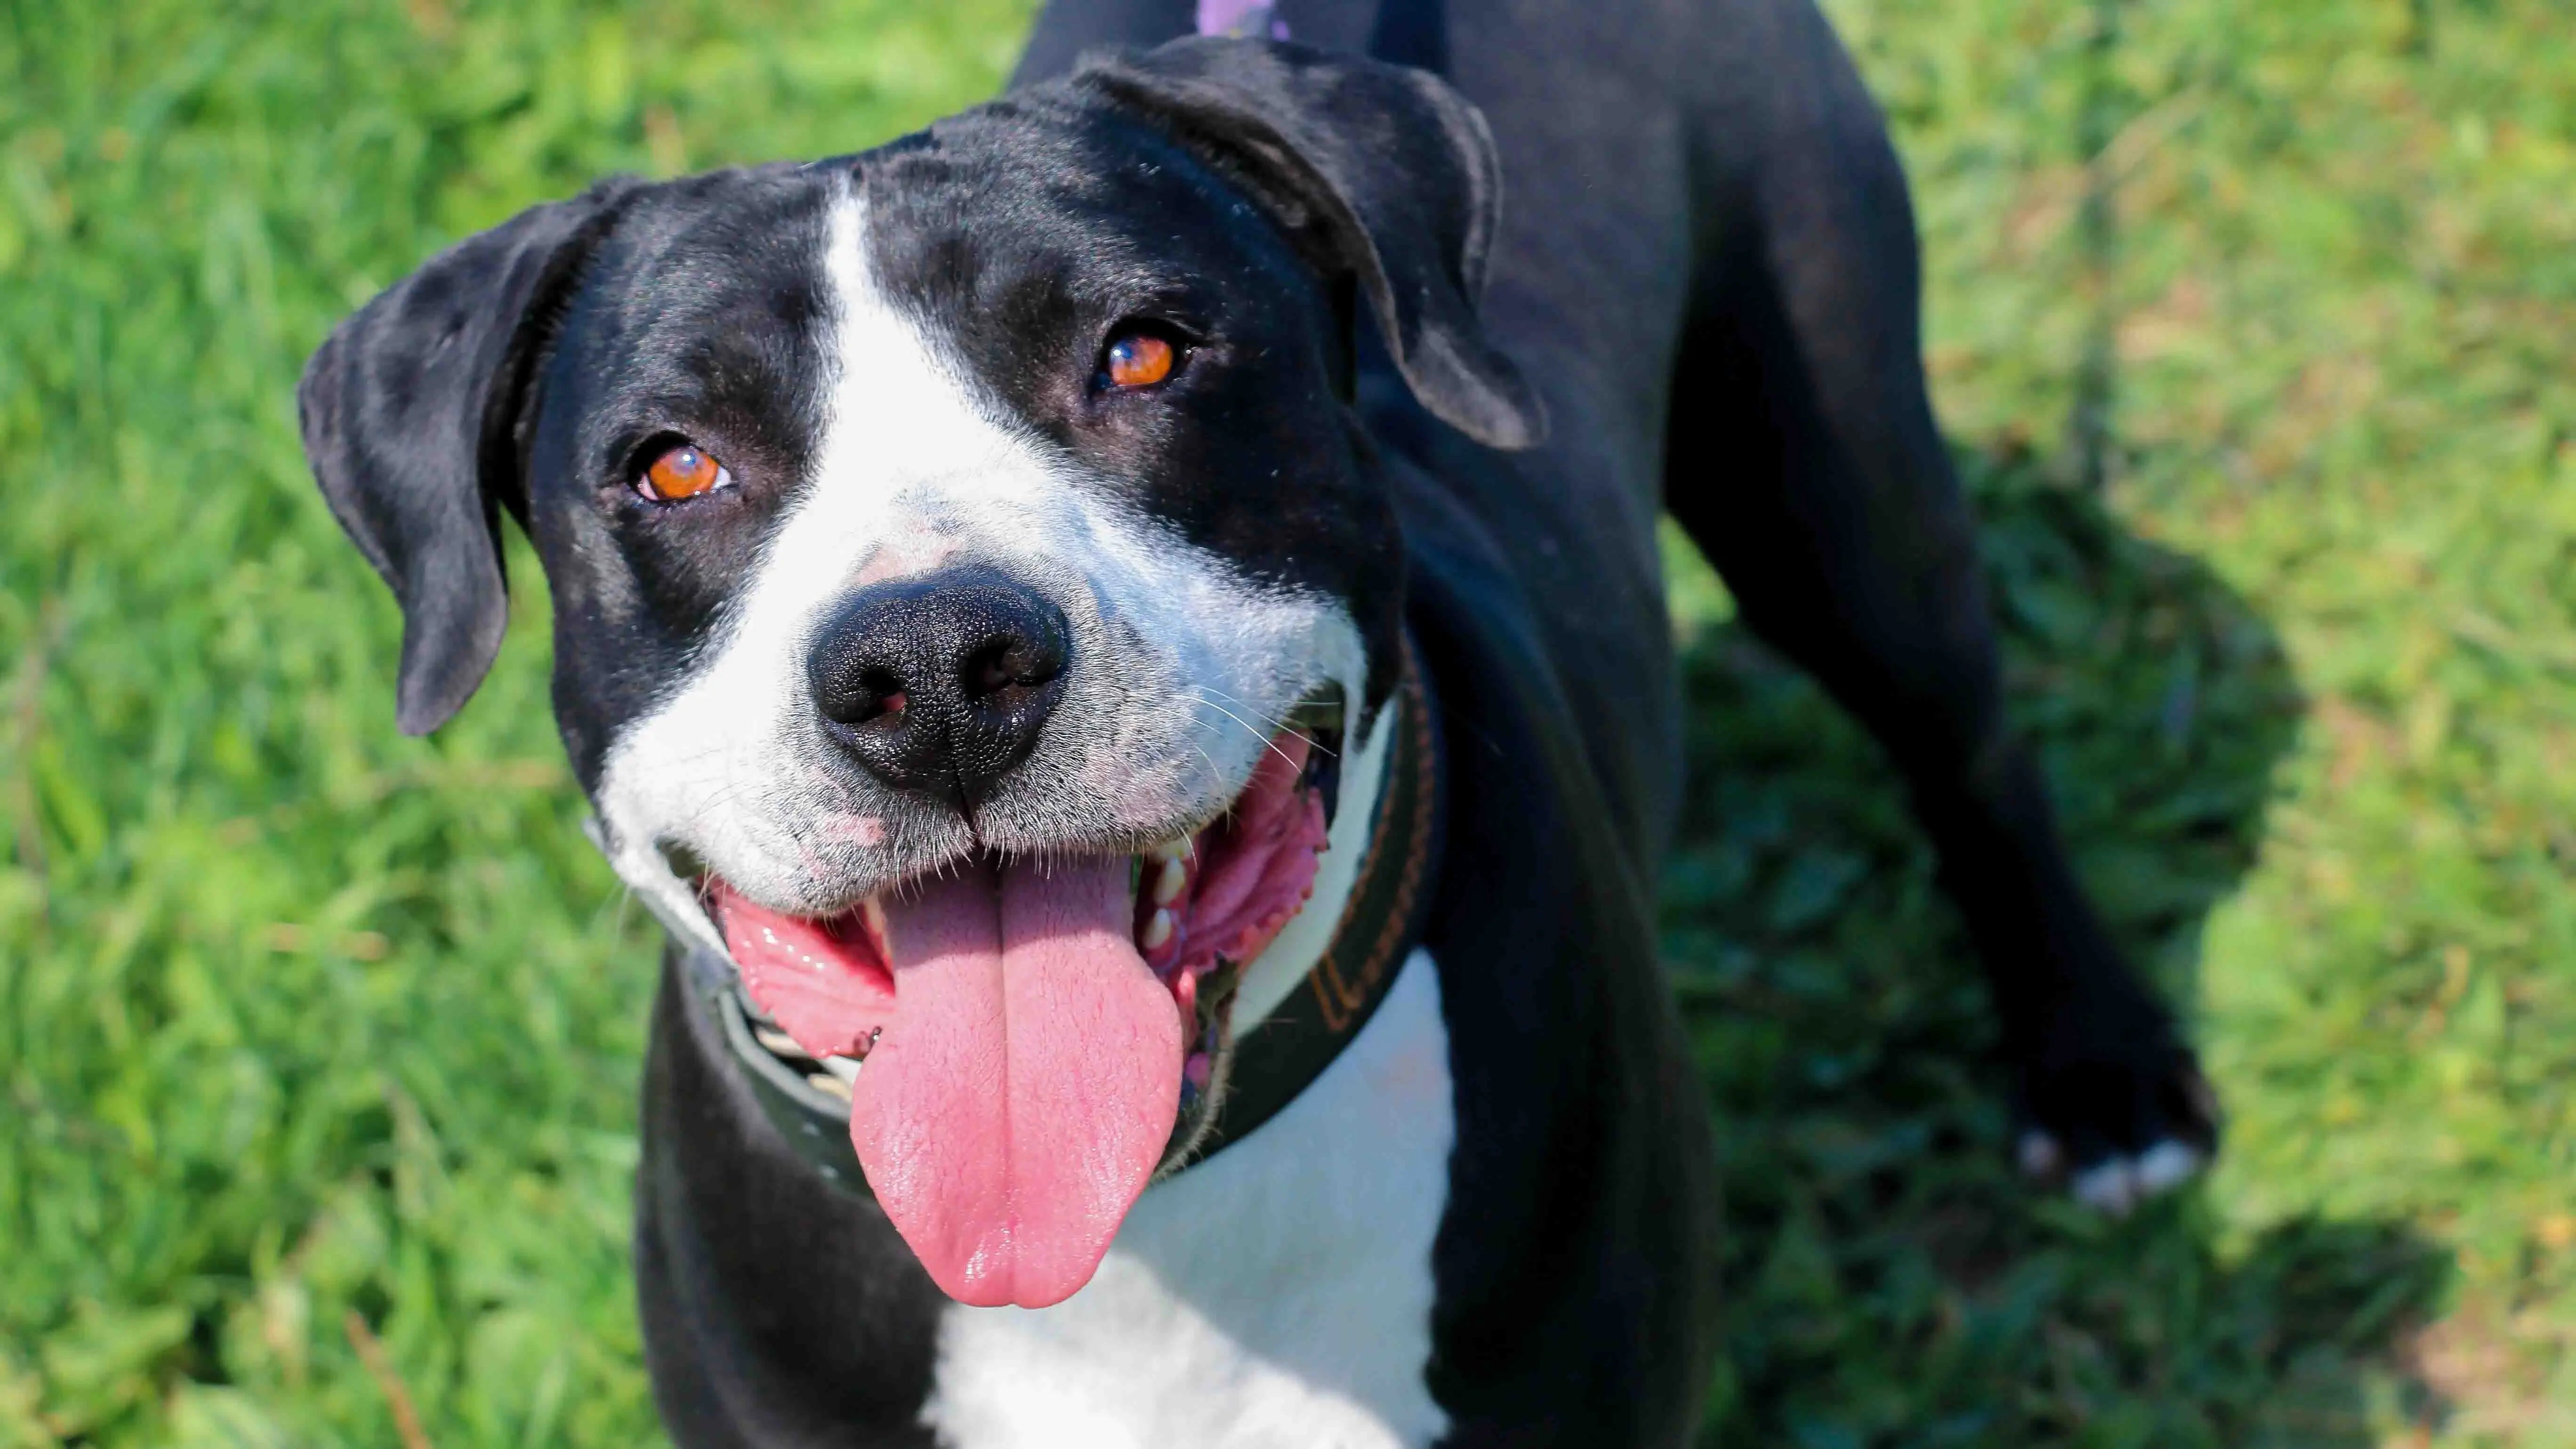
(2250, 324)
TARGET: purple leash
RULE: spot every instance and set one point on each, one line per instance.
(1243, 19)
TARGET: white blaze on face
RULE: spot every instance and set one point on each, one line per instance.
(1180, 665)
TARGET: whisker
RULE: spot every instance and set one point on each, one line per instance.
(1267, 742)
(1274, 721)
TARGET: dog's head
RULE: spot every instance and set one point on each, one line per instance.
(956, 551)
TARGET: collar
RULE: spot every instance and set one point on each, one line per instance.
(1382, 919)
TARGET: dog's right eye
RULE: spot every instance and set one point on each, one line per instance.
(1139, 356)
(685, 471)
(1136, 359)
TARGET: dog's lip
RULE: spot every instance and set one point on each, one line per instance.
(1318, 717)
(1100, 987)
(1199, 959)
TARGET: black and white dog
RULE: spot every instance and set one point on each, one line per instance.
(1122, 636)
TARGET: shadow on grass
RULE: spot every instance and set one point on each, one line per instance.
(1892, 1281)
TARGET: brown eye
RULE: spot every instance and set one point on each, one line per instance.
(682, 472)
(1137, 359)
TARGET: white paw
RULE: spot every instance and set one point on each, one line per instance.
(2115, 1186)
(2039, 1155)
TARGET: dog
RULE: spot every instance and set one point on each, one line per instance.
(1121, 634)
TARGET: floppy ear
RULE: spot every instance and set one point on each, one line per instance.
(415, 417)
(1384, 172)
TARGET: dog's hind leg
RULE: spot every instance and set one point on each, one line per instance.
(1803, 458)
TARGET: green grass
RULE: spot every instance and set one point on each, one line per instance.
(300, 1020)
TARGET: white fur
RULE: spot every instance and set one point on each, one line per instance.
(1277, 1294)
(1181, 664)
(2117, 1184)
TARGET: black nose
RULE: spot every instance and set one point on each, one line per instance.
(940, 683)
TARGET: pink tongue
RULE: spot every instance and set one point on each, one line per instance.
(1027, 1085)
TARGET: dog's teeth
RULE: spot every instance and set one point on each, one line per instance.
(1158, 930)
(1168, 883)
(828, 1084)
(845, 1068)
(1169, 850)
(778, 1043)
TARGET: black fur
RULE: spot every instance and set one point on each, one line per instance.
(1444, 365)
(1384, 175)
(415, 418)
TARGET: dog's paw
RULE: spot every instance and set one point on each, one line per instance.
(2116, 1129)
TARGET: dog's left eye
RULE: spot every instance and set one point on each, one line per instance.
(682, 472)
(1137, 359)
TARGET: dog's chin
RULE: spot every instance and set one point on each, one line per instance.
(1033, 1034)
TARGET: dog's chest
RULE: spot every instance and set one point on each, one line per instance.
(1278, 1294)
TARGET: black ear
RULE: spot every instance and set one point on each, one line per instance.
(1387, 172)
(415, 415)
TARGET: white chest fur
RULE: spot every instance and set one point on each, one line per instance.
(1278, 1294)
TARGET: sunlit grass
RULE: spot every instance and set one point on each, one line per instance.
(299, 1019)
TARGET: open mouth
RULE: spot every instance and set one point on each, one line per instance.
(1035, 1035)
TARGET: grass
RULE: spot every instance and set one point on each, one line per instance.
(318, 1045)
